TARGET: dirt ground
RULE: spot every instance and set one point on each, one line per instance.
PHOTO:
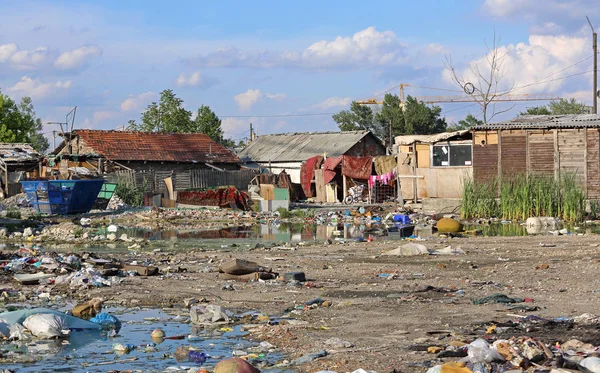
(386, 318)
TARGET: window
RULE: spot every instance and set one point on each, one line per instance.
(451, 155)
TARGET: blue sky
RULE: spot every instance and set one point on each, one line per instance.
(252, 61)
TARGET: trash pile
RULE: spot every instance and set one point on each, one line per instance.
(31, 266)
(495, 353)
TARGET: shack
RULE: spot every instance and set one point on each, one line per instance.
(433, 166)
(130, 150)
(288, 151)
(18, 162)
(550, 145)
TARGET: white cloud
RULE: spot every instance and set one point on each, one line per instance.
(276, 96)
(332, 102)
(36, 89)
(368, 47)
(195, 79)
(549, 16)
(136, 102)
(101, 116)
(247, 99)
(233, 126)
(6, 51)
(77, 58)
(536, 64)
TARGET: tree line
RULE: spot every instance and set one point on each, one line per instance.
(169, 115)
(417, 118)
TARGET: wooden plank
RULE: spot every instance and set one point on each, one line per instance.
(513, 154)
(320, 186)
(556, 157)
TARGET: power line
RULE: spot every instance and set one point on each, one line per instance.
(437, 89)
(460, 108)
(541, 80)
(274, 116)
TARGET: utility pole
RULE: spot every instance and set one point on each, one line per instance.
(595, 47)
(251, 136)
(53, 139)
(391, 138)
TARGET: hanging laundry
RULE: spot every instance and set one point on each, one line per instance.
(384, 164)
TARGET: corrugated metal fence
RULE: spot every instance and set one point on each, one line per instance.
(182, 180)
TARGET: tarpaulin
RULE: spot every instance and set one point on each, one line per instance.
(223, 197)
(307, 172)
(357, 167)
(384, 164)
(329, 166)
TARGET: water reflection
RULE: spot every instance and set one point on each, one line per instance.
(260, 232)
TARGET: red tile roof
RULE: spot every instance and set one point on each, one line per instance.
(153, 146)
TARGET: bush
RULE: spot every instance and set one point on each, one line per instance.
(13, 213)
(130, 193)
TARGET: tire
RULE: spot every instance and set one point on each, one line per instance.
(348, 200)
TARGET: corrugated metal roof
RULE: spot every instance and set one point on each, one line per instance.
(296, 147)
(13, 152)
(546, 122)
(156, 146)
(428, 139)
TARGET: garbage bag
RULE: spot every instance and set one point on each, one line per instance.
(19, 333)
(107, 322)
(46, 325)
(4, 329)
(591, 364)
(235, 365)
(479, 351)
(207, 314)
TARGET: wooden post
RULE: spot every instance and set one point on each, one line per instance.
(556, 155)
(527, 163)
(499, 160)
(585, 158)
(415, 186)
(344, 187)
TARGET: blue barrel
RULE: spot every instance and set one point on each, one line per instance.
(62, 197)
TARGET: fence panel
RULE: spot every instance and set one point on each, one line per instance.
(153, 180)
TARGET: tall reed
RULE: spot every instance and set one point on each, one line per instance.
(521, 196)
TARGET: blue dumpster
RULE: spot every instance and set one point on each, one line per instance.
(62, 197)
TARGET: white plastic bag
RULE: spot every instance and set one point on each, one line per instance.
(479, 351)
(208, 314)
(46, 325)
(19, 333)
(591, 363)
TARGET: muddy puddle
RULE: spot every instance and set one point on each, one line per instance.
(90, 351)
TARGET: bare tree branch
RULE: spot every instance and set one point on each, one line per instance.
(488, 83)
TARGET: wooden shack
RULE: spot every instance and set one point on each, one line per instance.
(542, 144)
(434, 166)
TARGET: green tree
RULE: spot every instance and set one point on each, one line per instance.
(560, 107)
(570, 106)
(469, 121)
(168, 115)
(358, 118)
(536, 110)
(18, 123)
(416, 118)
(209, 123)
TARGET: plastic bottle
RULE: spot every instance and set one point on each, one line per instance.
(197, 357)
